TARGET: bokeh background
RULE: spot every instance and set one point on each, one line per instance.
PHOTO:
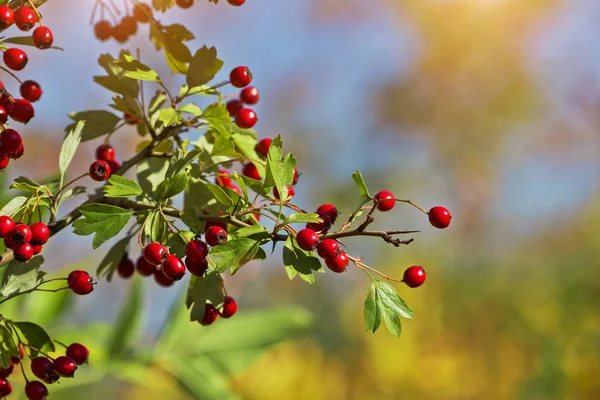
(488, 107)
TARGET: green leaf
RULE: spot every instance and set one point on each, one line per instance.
(203, 67)
(13, 205)
(120, 187)
(217, 115)
(372, 314)
(67, 194)
(104, 220)
(234, 254)
(20, 277)
(365, 197)
(246, 144)
(8, 347)
(69, 147)
(36, 337)
(97, 123)
(156, 103)
(255, 232)
(296, 218)
(169, 116)
(208, 287)
(191, 221)
(135, 69)
(111, 260)
(129, 321)
(388, 296)
(220, 194)
(383, 302)
(202, 90)
(162, 5)
(26, 185)
(154, 226)
(297, 261)
(191, 108)
(179, 162)
(179, 32)
(151, 172)
(171, 187)
(279, 171)
(26, 41)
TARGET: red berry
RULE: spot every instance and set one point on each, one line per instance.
(290, 194)
(99, 170)
(10, 140)
(125, 268)
(173, 268)
(5, 387)
(223, 178)
(17, 154)
(114, 166)
(414, 276)
(249, 95)
(296, 176)
(7, 103)
(15, 59)
(4, 160)
(144, 268)
(142, 12)
(196, 266)
(320, 226)
(6, 225)
(339, 263)
(64, 366)
(307, 239)
(210, 314)
(263, 146)
(233, 106)
(119, 33)
(30, 90)
(37, 249)
(41, 367)
(155, 253)
(185, 3)
(103, 30)
(240, 77)
(8, 242)
(129, 25)
(36, 390)
(7, 17)
(22, 111)
(245, 118)
(20, 234)
(25, 18)
(39, 233)
(162, 279)
(439, 217)
(385, 199)
(131, 119)
(80, 282)
(251, 171)
(236, 3)
(5, 372)
(234, 188)
(229, 307)
(78, 353)
(23, 252)
(330, 210)
(196, 249)
(42, 37)
(328, 249)
(105, 152)
(215, 235)
(3, 115)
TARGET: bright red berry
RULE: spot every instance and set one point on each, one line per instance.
(330, 210)
(23, 252)
(6, 225)
(142, 12)
(307, 239)
(385, 200)
(414, 276)
(3, 115)
(296, 176)
(39, 234)
(234, 188)
(263, 146)
(17, 154)
(37, 249)
(290, 193)
(36, 390)
(25, 18)
(5, 387)
(144, 268)
(223, 178)
(41, 367)
(246, 118)
(126, 268)
(229, 307)
(114, 166)
(173, 268)
(215, 235)
(162, 279)
(64, 366)
(30, 90)
(105, 152)
(251, 171)
(439, 217)
(129, 25)
(210, 314)
(22, 111)
(103, 30)
(10, 140)
(5, 372)
(7, 103)
(20, 234)
(78, 353)
(80, 282)
(7, 17)
(249, 95)
(236, 3)
(4, 160)
(240, 77)
(155, 253)
(185, 3)
(15, 59)
(99, 170)
(196, 266)
(339, 263)
(233, 106)
(196, 249)
(320, 226)
(42, 37)
(328, 249)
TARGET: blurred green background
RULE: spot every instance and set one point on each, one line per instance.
(488, 107)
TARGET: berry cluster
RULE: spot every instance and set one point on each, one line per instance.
(105, 163)
(80, 282)
(245, 118)
(25, 241)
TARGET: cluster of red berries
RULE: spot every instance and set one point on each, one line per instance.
(47, 370)
(25, 241)
(80, 282)
(244, 117)
(127, 27)
(105, 163)
(24, 18)
(188, 3)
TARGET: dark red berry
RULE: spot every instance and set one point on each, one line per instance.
(23, 252)
(20, 234)
(6, 225)
(185, 3)
(236, 3)
(290, 193)
(439, 217)
(215, 235)
(42, 37)
(155, 253)
(263, 146)
(129, 25)
(339, 263)
(15, 59)
(114, 166)
(41, 367)
(10, 140)
(330, 210)
(196, 249)
(251, 171)
(240, 77)
(7, 103)
(7, 17)
(51, 378)
(142, 12)
(196, 266)
(37, 249)
(22, 111)
(39, 234)
(36, 390)
(320, 226)
(64, 366)
(233, 106)
(229, 307)
(144, 268)
(17, 154)
(78, 353)
(210, 314)
(99, 170)
(249, 95)
(223, 178)
(80, 282)
(30, 90)
(103, 30)
(307, 239)
(246, 118)
(125, 268)
(5, 387)
(25, 18)
(8, 242)
(105, 152)
(4, 160)
(3, 115)
(385, 200)
(173, 268)
(328, 249)
(414, 276)
(296, 176)
(5, 372)
(162, 279)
